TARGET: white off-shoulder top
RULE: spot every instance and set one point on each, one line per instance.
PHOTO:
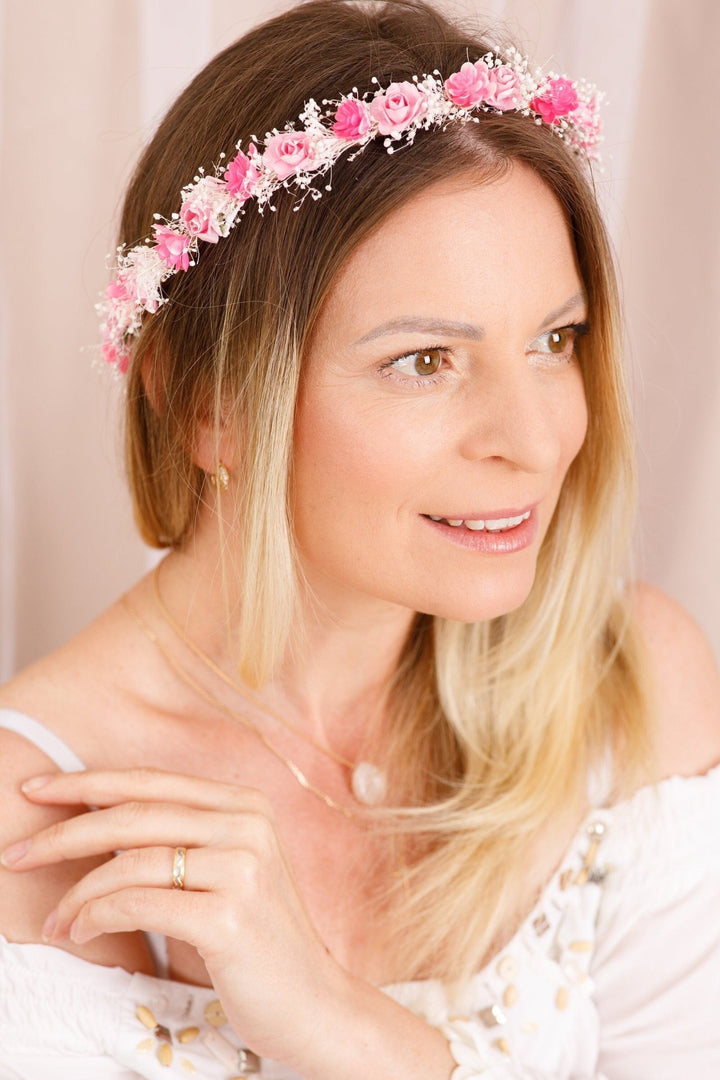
(615, 974)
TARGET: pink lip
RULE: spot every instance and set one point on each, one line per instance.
(490, 543)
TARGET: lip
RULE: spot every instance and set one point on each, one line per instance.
(490, 543)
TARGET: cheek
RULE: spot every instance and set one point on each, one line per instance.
(572, 419)
(356, 457)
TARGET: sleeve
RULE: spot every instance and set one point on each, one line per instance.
(656, 966)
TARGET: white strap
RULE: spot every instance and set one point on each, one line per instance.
(45, 740)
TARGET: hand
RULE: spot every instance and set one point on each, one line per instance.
(240, 906)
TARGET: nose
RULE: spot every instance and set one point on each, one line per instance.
(512, 414)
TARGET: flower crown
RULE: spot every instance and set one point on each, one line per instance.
(297, 156)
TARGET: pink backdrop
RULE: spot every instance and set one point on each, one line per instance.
(81, 85)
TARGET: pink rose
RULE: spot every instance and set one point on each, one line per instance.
(241, 174)
(504, 90)
(196, 219)
(209, 209)
(352, 119)
(172, 247)
(117, 289)
(288, 153)
(396, 109)
(469, 85)
(557, 99)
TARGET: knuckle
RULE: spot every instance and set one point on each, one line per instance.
(248, 871)
(262, 834)
(130, 902)
(55, 835)
(131, 863)
(128, 813)
(257, 802)
(143, 776)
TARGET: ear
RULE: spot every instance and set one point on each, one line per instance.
(208, 448)
(211, 447)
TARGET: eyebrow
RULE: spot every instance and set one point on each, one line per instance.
(577, 300)
(411, 325)
(408, 324)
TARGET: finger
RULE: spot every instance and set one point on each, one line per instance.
(100, 787)
(206, 869)
(178, 914)
(133, 825)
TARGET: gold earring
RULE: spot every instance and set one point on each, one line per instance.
(221, 478)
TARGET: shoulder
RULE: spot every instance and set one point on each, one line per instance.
(686, 683)
(27, 899)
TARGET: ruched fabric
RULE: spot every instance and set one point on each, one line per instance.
(614, 975)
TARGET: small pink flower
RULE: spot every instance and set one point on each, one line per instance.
(504, 90)
(209, 209)
(116, 290)
(241, 174)
(352, 119)
(288, 153)
(172, 247)
(395, 110)
(110, 353)
(469, 85)
(196, 220)
(558, 99)
(119, 357)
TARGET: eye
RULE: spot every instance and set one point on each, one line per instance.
(422, 362)
(559, 342)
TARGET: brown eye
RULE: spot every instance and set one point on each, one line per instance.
(428, 361)
(558, 340)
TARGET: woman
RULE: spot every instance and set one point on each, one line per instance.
(386, 715)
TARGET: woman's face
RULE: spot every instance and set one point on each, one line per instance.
(441, 383)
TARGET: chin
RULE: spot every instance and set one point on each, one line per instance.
(488, 599)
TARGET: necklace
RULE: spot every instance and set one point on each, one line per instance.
(216, 703)
(368, 783)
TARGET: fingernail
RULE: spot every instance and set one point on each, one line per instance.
(14, 853)
(36, 782)
(49, 926)
(77, 935)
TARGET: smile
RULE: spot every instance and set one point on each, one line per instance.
(490, 525)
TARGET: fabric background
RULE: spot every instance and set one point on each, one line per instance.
(82, 84)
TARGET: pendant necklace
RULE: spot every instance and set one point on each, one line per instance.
(368, 782)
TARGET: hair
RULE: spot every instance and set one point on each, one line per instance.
(494, 725)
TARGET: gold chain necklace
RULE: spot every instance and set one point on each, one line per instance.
(367, 782)
(216, 703)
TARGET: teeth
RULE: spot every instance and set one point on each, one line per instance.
(478, 525)
(503, 523)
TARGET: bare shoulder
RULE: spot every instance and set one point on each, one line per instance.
(687, 683)
(26, 899)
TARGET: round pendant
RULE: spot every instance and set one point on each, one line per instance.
(368, 783)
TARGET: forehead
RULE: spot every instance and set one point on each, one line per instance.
(461, 247)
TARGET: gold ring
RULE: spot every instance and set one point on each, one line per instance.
(178, 868)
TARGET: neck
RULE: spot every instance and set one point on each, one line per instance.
(338, 664)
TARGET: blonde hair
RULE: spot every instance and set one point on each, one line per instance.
(494, 725)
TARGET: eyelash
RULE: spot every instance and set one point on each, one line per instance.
(422, 381)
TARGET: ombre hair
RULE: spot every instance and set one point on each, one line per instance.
(493, 726)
